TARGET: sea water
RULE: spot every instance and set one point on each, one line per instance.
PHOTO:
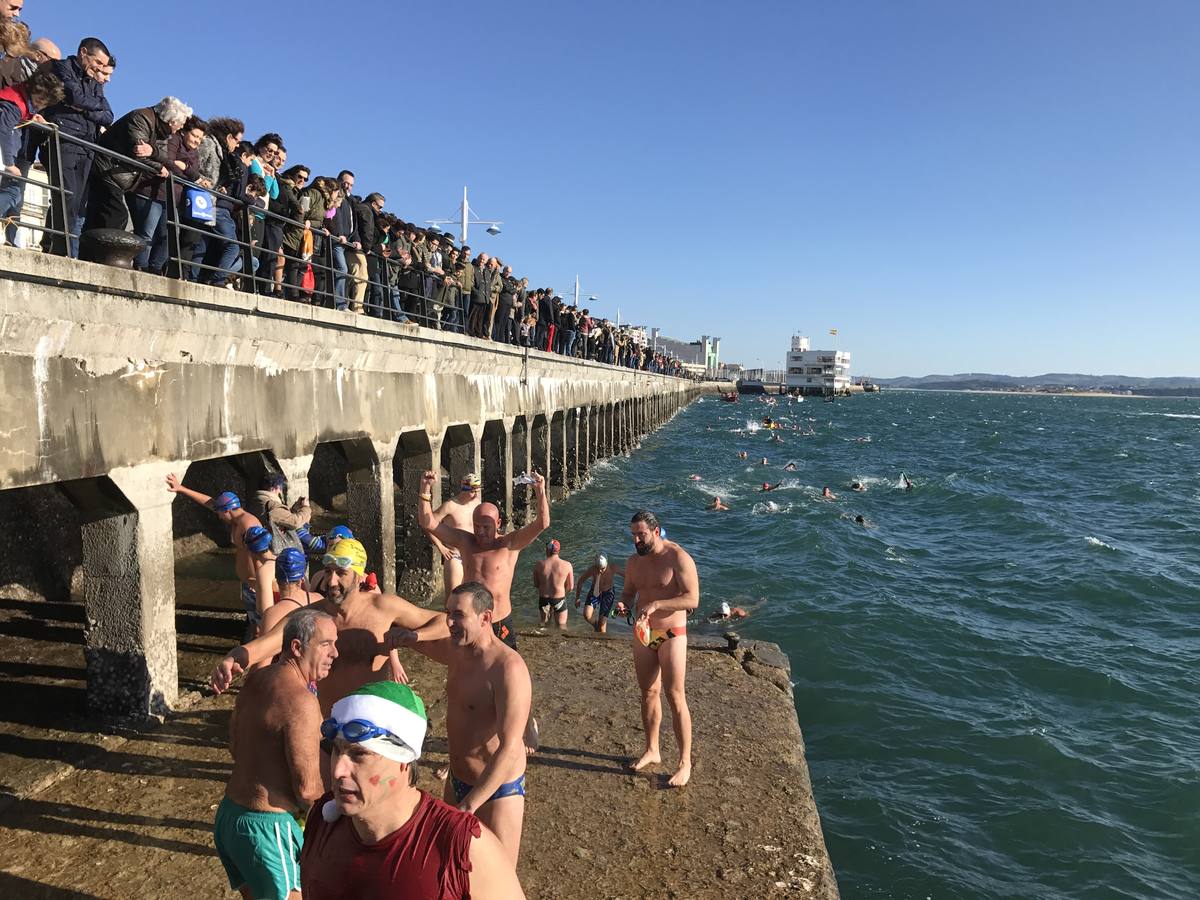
(998, 678)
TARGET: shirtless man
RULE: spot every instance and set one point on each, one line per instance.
(717, 505)
(458, 511)
(228, 507)
(274, 739)
(827, 494)
(488, 697)
(370, 627)
(767, 487)
(262, 560)
(663, 579)
(488, 556)
(553, 577)
(601, 595)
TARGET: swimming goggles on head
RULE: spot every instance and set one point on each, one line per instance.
(338, 562)
(355, 731)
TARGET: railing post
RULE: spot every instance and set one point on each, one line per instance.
(247, 250)
(174, 263)
(59, 194)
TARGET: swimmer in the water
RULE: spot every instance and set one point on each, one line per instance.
(741, 454)
(764, 460)
(695, 478)
(716, 505)
(827, 494)
(768, 487)
(790, 467)
(726, 612)
(857, 486)
(904, 479)
(862, 520)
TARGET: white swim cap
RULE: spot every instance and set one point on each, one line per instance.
(724, 608)
(601, 560)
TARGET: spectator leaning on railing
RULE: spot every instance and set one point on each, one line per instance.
(83, 111)
(141, 134)
(20, 104)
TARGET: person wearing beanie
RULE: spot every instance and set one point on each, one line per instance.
(457, 513)
(380, 624)
(553, 577)
(376, 834)
(228, 507)
(275, 744)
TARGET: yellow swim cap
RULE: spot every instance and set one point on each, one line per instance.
(347, 554)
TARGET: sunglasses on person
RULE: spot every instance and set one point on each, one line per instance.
(355, 731)
(337, 562)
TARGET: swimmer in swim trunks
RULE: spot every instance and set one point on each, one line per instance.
(488, 696)
(228, 507)
(662, 577)
(457, 511)
(601, 594)
(553, 577)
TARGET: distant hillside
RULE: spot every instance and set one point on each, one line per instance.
(979, 381)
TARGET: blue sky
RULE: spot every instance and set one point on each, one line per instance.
(955, 186)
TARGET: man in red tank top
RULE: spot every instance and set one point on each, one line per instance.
(377, 834)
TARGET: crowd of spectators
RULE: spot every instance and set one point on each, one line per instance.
(250, 221)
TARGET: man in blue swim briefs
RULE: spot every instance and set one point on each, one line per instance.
(601, 593)
(488, 696)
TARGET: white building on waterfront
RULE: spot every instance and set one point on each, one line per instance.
(816, 371)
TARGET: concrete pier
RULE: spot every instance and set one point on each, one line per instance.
(114, 378)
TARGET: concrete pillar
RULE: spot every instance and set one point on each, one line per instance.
(593, 435)
(558, 456)
(371, 500)
(519, 438)
(128, 590)
(460, 453)
(496, 467)
(418, 565)
(572, 449)
(540, 445)
(606, 431)
(584, 448)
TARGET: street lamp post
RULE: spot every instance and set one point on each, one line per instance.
(465, 220)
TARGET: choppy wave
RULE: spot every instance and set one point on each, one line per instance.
(997, 681)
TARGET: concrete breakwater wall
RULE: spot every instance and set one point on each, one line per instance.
(110, 379)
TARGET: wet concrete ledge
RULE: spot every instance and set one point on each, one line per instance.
(129, 814)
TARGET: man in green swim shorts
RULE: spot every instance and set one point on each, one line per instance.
(275, 742)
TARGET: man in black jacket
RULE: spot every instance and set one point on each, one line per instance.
(83, 112)
(366, 212)
(142, 135)
(343, 230)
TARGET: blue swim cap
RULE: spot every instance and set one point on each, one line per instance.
(662, 532)
(225, 502)
(290, 566)
(257, 538)
(338, 533)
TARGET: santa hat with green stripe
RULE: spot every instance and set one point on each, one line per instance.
(392, 707)
(395, 709)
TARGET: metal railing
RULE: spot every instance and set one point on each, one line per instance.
(433, 304)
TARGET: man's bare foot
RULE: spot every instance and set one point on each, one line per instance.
(681, 776)
(533, 738)
(649, 758)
